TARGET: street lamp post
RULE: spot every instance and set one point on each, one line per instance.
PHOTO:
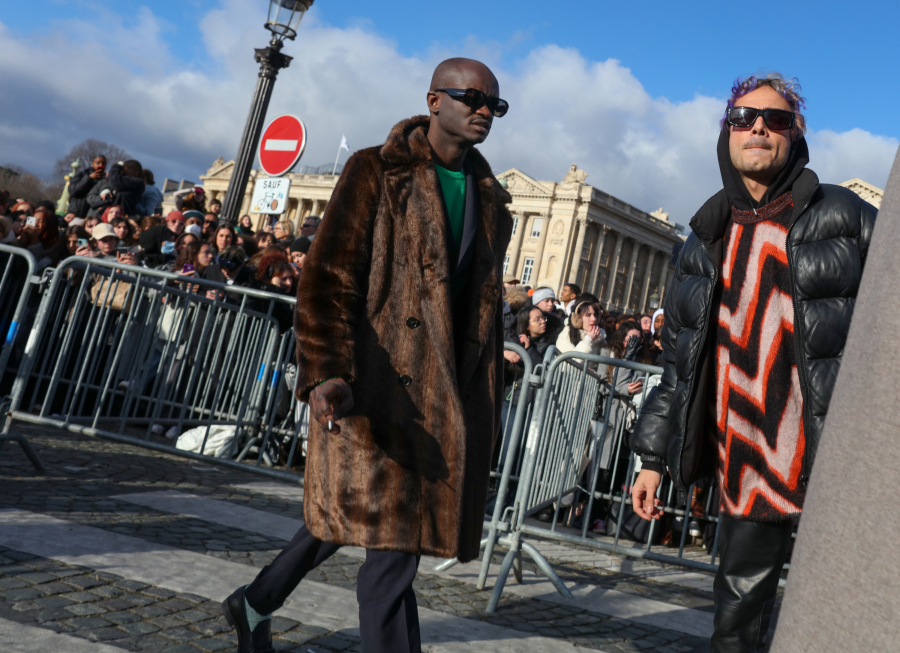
(284, 18)
(654, 300)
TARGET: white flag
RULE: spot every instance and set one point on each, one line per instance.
(344, 144)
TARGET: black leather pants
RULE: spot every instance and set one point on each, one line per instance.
(751, 557)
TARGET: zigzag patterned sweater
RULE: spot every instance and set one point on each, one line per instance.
(759, 408)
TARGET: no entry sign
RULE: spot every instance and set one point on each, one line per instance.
(281, 145)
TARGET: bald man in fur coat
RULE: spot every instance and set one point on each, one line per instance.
(399, 341)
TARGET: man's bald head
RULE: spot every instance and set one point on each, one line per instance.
(456, 72)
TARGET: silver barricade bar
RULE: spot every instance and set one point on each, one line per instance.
(117, 349)
(564, 448)
(13, 307)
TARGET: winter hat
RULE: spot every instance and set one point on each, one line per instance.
(541, 294)
(192, 214)
(194, 229)
(659, 311)
(176, 215)
(301, 244)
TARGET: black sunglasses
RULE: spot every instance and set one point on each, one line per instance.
(475, 99)
(777, 119)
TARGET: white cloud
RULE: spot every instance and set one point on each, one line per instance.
(119, 82)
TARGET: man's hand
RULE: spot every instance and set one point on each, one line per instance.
(330, 401)
(511, 356)
(643, 495)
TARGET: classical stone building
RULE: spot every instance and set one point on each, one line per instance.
(562, 231)
(309, 194)
(570, 232)
(871, 194)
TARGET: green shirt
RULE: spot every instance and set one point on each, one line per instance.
(453, 187)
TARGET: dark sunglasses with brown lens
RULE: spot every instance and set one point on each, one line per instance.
(475, 99)
(777, 119)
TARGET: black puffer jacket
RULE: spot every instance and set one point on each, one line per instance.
(827, 244)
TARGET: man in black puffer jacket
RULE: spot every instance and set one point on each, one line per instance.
(756, 322)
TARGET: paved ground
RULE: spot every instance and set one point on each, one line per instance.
(126, 549)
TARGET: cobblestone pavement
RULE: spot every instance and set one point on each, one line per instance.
(84, 475)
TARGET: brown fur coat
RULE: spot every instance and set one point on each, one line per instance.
(409, 470)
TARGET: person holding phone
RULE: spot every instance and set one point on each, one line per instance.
(82, 183)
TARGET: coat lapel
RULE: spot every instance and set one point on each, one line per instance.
(420, 215)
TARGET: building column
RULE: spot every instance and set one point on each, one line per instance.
(666, 277)
(613, 265)
(517, 241)
(539, 253)
(576, 255)
(598, 254)
(635, 250)
(651, 261)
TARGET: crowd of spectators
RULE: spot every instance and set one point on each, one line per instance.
(115, 214)
(576, 321)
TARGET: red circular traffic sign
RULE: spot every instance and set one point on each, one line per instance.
(281, 145)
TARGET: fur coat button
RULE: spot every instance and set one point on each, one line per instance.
(413, 323)
(405, 380)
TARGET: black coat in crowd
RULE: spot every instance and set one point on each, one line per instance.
(826, 249)
(79, 188)
(128, 190)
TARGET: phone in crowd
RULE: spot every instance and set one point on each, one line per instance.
(31, 221)
(187, 268)
(121, 251)
(82, 242)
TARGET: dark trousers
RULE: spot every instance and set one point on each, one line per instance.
(751, 557)
(388, 616)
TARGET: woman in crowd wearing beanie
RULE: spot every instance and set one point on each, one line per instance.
(193, 217)
(545, 299)
(299, 250)
(245, 226)
(582, 330)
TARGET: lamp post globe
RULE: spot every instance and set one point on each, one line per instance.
(283, 20)
(654, 300)
(285, 17)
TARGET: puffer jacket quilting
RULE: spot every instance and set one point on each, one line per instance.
(827, 246)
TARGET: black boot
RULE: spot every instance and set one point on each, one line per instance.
(256, 641)
(752, 555)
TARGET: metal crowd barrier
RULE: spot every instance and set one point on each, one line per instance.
(576, 427)
(124, 352)
(18, 285)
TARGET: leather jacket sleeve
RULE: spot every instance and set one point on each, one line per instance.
(650, 438)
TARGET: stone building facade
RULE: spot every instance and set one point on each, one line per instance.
(570, 232)
(309, 194)
(563, 232)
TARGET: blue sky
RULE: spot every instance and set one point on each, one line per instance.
(629, 91)
(838, 51)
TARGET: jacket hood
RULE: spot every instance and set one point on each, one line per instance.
(738, 195)
(711, 221)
